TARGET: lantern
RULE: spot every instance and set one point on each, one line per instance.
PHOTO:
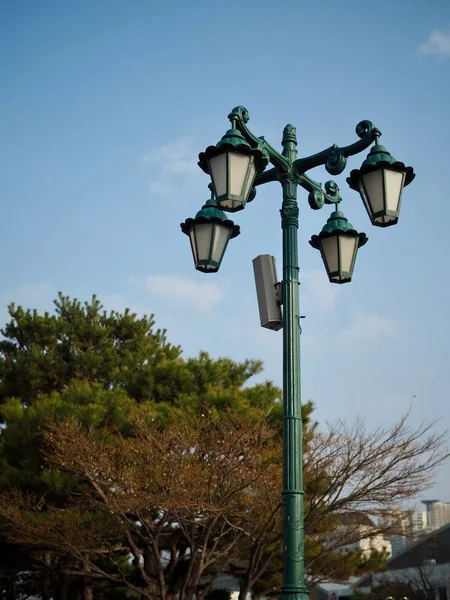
(338, 243)
(209, 234)
(233, 166)
(380, 182)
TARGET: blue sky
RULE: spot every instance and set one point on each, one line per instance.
(105, 105)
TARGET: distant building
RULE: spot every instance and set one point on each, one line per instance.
(437, 514)
(332, 591)
(359, 534)
(403, 528)
(399, 543)
(368, 544)
(419, 524)
(425, 565)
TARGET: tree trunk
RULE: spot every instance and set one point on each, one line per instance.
(244, 590)
(46, 583)
(147, 560)
(190, 592)
(64, 582)
(87, 592)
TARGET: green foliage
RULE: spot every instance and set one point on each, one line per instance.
(43, 354)
(373, 563)
(21, 442)
(93, 366)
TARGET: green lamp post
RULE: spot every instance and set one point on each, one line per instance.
(237, 164)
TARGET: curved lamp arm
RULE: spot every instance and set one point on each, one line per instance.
(266, 176)
(335, 158)
(317, 195)
(239, 118)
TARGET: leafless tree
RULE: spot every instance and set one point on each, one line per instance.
(186, 499)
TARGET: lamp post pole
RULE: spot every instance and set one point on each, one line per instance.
(237, 164)
(292, 492)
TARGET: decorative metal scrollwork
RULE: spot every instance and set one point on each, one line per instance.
(316, 199)
(336, 161)
(364, 128)
(333, 195)
(241, 113)
(289, 210)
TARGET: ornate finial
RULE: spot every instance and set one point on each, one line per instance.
(289, 134)
(289, 143)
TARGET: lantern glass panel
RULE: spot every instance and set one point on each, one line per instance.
(203, 235)
(237, 169)
(394, 186)
(330, 253)
(193, 246)
(347, 247)
(220, 241)
(250, 179)
(372, 191)
(218, 170)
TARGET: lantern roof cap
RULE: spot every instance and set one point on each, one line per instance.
(337, 224)
(233, 140)
(210, 213)
(210, 210)
(377, 158)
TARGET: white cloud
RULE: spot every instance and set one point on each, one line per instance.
(367, 328)
(437, 44)
(203, 296)
(178, 157)
(159, 188)
(318, 292)
(175, 160)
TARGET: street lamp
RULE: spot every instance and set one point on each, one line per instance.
(380, 182)
(209, 234)
(232, 165)
(338, 243)
(237, 164)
